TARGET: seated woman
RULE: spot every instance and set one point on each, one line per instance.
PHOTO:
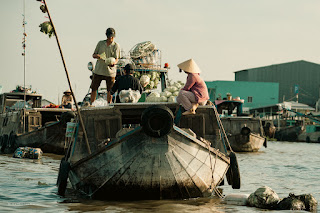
(126, 82)
(67, 100)
(195, 91)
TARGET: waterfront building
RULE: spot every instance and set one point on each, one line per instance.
(298, 80)
(254, 94)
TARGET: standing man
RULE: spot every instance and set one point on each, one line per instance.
(108, 53)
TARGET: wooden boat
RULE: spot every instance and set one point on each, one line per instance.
(245, 133)
(310, 134)
(157, 159)
(288, 133)
(36, 127)
(306, 130)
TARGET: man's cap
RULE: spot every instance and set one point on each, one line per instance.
(129, 67)
(111, 32)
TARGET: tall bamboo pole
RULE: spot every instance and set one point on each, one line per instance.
(67, 74)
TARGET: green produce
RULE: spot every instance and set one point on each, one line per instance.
(46, 27)
(168, 95)
(43, 8)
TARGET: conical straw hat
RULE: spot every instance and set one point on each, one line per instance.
(189, 66)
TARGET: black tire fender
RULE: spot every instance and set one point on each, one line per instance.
(157, 121)
(63, 175)
(12, 140)
(1, 142)
(245, 131)
(308, 139)
(265, 143)
(5, 139)
(233, 173)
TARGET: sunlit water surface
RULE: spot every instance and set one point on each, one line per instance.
(29, 185)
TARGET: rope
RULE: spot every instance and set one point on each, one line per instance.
(223, 133)
(212, 172)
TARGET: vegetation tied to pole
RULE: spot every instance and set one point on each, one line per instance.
(46, 27)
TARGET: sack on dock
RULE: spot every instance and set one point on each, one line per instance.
(298, 202)
(28, 152)
(264, 198)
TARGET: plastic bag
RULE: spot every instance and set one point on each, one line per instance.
(129, 96)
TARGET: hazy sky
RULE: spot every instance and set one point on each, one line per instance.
(221, 36)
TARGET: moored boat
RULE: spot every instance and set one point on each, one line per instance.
(24, 123)
(245, 133)
(310, 134)
(155, 160)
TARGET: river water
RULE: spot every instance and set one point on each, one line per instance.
(29, 185)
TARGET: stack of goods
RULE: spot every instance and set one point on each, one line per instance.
(145, 55)
(168, 95)
(149, 80)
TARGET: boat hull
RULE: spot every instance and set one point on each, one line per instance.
(44, 131)
(246, 143)
(244, 133)
(288, 133)
(49, 138)
(310, 137)
(137, 166)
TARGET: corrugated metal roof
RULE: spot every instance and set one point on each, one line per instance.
(277, 65)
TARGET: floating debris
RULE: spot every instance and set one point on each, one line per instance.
(28, 152)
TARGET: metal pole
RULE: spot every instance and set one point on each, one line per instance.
(24, 66)
(67, 74)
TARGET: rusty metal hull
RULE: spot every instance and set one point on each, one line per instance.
(137, 166)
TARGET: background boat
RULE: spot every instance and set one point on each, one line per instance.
(25, 123)
(245, 133)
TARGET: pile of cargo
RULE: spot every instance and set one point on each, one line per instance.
(169, 94)
(147, 60)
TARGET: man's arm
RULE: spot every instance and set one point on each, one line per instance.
(96, 56)
(117, 55)
(114, 88)
(96, 50)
